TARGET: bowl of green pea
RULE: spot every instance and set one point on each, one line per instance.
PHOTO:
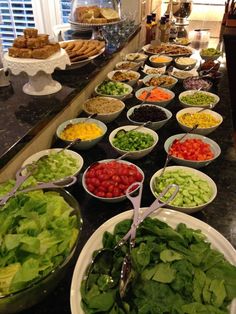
(137, 143)
(203, 99)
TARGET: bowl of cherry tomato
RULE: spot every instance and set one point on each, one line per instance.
(107, 180)
(193, 150)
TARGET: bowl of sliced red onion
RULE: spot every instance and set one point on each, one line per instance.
(197, 83)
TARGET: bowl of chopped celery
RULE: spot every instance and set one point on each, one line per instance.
(172, 249)
(54, 164)
(197, 190)
(137, 143)
(203, 99)
(207, 120)
(42, 235)
(90, 132)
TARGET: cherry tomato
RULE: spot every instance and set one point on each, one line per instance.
(111, 179)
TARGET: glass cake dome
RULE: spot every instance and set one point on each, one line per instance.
(92, 12)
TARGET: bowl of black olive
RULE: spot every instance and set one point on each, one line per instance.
(158, 116)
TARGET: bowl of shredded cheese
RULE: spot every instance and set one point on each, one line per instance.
(90, 132)
(207, 120)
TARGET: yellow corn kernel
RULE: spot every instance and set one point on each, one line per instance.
(84, 131)
(204, 120)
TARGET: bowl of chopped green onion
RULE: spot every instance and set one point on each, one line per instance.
(54, 164)
(138, 143)
(203, 99)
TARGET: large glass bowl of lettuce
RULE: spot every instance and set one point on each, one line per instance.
(180, 265)
(39, 234)
(54, 164)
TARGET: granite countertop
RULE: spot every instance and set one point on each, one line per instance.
(220, 214)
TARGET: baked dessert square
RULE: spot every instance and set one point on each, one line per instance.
(30, 32)
(20, 52)
(44, 38)
(35, 42)
(14, 52)
(19, 42)
(41, 53)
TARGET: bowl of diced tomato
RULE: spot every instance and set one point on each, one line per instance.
(107, 180)
(158, 95)
(193, 150)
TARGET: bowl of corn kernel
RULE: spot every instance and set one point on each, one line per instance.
(207, 120)
(90, 132)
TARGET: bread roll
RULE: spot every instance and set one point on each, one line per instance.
(109, 14)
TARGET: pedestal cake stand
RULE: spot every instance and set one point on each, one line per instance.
(39, 72)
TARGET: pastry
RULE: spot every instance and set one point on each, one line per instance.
(20, 52)
(109, 14)
(19, 42)
(30, 32)
(35, 42)
(98, 20)
(44, 38)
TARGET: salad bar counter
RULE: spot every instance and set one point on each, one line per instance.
(196, 235)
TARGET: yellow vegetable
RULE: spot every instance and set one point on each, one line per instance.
(84, 131)
(160, 59)
(204, 120)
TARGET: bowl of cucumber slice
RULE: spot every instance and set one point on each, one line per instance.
(197, 190)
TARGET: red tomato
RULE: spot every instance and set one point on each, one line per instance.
(111, 179)
(191, 149)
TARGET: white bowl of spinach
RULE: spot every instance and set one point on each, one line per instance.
(175, 266)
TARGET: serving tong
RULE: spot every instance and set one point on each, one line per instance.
(106, 254)
(21, 178)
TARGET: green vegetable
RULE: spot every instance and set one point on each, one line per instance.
(210, 52)
(198, 99)
(54, 166)
(193, 191)
(132, 140)
(113, 88)
(37, 234)
(173, 271)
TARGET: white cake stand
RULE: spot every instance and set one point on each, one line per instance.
(39, 72)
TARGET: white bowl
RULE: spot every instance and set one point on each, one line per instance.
(181, 74)
(199, 130)
(35, 157)
(151, 70)
(85, 144)
(127, 65)
(104, 103)
(191, 171)
(209, 57)
(186, 104)
(162, 103)
(160, 63)
(147, 78)
(172, 218)
(185, 62)
(136, 57)
(127, 87)
(154, 125)
(139, 153)
(109, 199)
(215, 148)
(127, 81)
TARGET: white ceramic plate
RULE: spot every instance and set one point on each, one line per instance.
(169, 216)
(190, 50)
(79, 64)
